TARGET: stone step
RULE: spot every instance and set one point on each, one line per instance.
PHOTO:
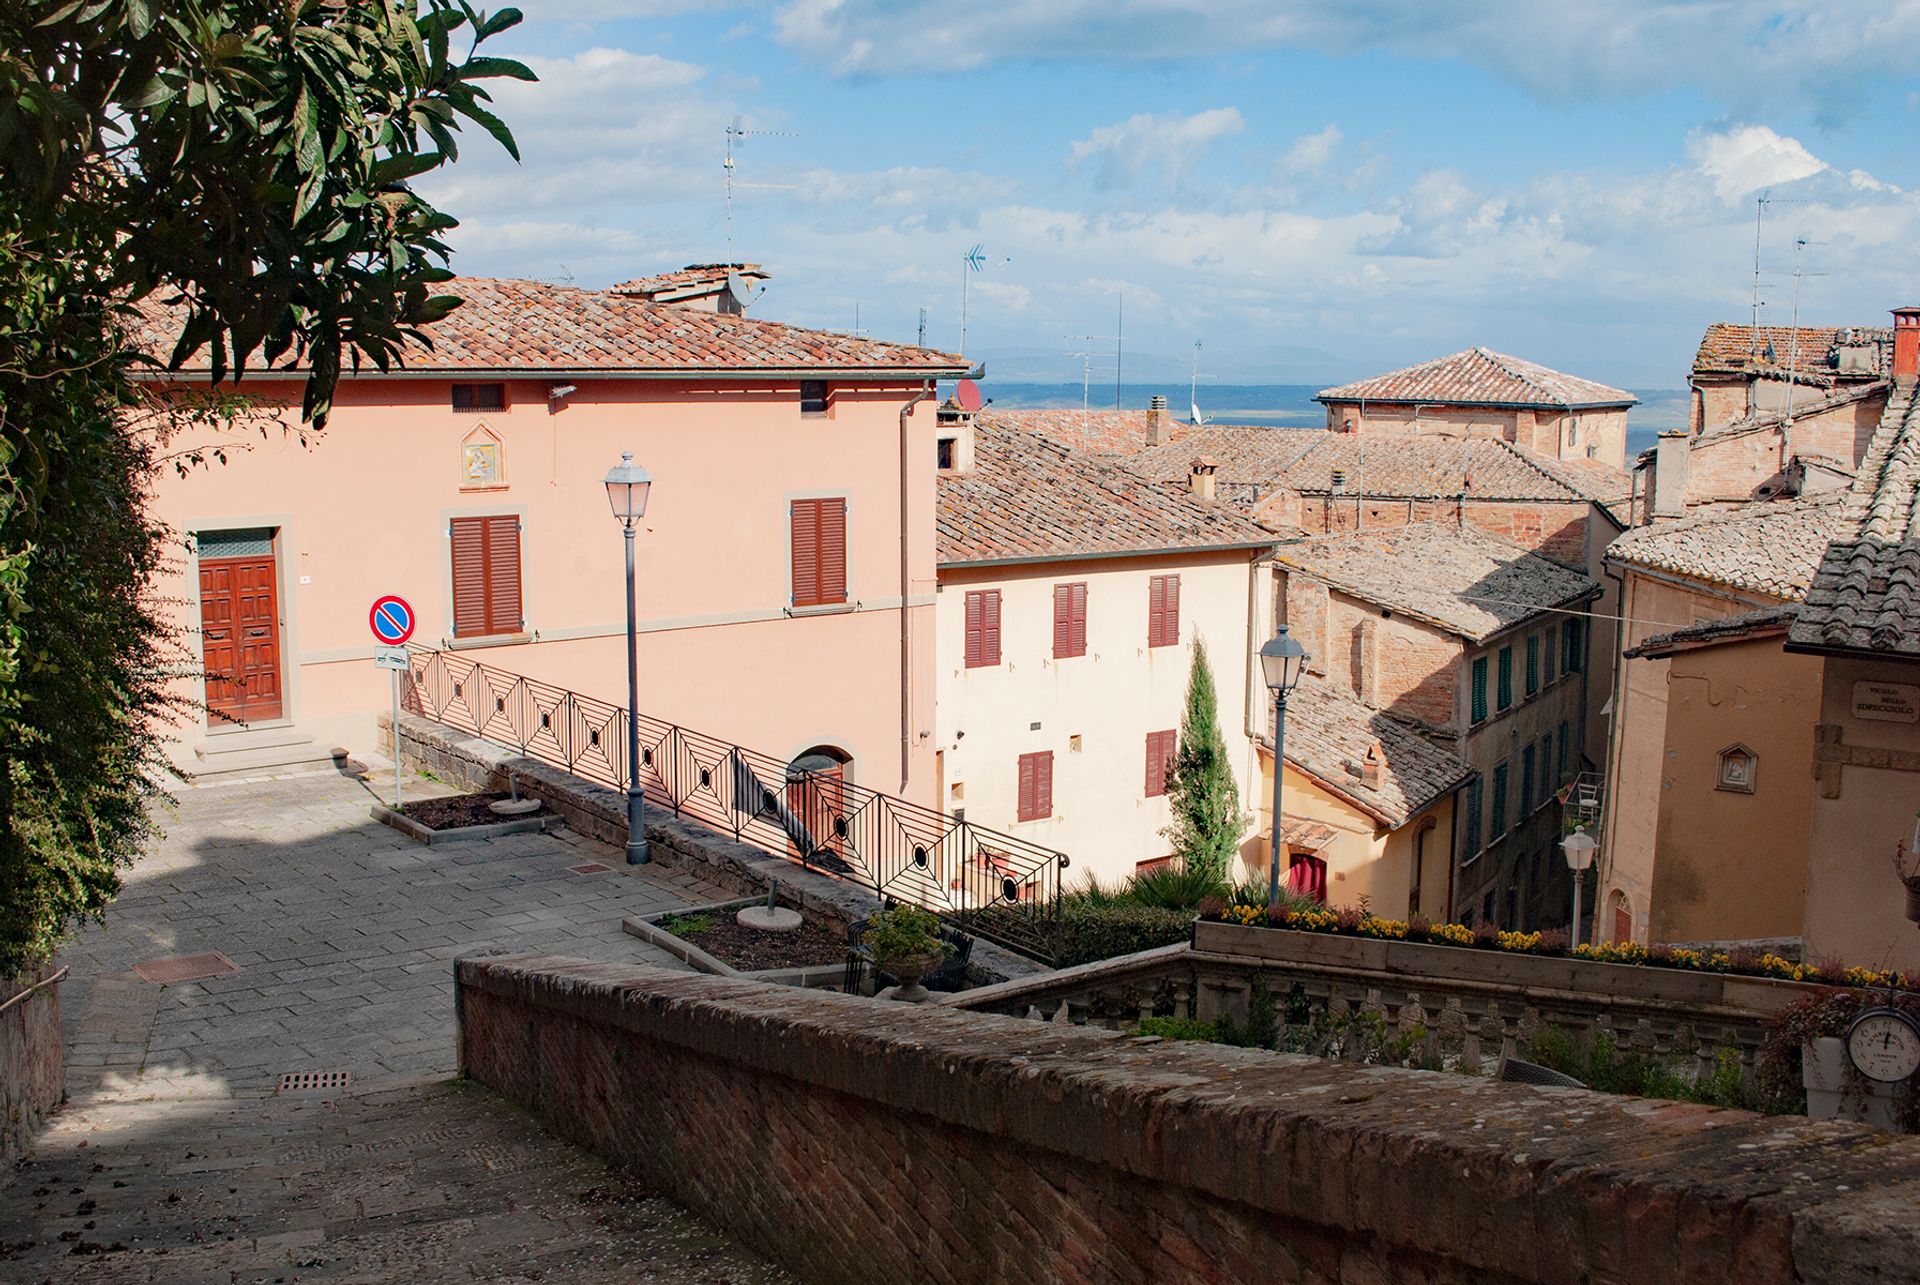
(242, 740)
(306, 753)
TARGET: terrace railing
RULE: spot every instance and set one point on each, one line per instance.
(898, 849)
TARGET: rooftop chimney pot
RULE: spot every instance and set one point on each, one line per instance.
(1906, 344)
(1200, 476)
(1158, 421)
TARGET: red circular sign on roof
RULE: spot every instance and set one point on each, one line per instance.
(391, 620)
(967, 395)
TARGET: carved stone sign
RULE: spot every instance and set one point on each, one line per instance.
(1886, 702)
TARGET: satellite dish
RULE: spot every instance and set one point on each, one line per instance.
(742, 291)
(967, 395)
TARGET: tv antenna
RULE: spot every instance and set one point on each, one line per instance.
(1193, 389)
(1793, 344)
(1760, 204)
(974, 260)
(1088, 355)
(738, 130)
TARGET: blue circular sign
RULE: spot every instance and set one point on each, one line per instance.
(392, 620)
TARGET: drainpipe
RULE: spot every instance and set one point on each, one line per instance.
(906, 662)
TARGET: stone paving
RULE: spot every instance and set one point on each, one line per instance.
(176, 1159)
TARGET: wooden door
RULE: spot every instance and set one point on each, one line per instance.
(240, 638)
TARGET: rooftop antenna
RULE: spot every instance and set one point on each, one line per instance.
(1753, 335)
(974, 260)
(1193, 389)
(1793, 344)
(1119, 347)
(923, 327)
(738, 130)
(1088, 355)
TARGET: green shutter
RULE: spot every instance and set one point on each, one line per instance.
(1533, 663)
(1480, 689)
(1561, 749)
(1526, 782)
(1498, 823)
(1473, 821)
(1570, 648)
(1506, 678)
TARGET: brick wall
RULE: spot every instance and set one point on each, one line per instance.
(1408, 668)
(1557, 531)
(32, 1061)
(858, 1141)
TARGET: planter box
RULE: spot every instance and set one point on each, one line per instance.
(1835, 1093)
(433, 838)
(1468, 965)
(648, 929)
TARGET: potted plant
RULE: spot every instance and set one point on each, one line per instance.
(906, 942)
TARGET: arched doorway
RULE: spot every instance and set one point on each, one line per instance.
(1620, 913)
(817, 799)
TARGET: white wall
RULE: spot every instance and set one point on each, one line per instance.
(1110, 698)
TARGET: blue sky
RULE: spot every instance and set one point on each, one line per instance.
(1314, 191)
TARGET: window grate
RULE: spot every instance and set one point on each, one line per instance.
(252, 542)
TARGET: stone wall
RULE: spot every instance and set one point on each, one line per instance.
(858, 1141)
(601, 813)
(32, 1058)
(1552, 530)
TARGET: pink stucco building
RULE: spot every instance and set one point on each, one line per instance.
(786, 565)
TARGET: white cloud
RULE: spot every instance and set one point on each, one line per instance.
(1172, 142)
(1311, 152)
(1747, 158)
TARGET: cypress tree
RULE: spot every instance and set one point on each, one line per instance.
(1207, 821)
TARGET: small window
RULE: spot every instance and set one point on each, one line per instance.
(1526, 779)
(477, 399)
(1069, 620)
(1570, 657)
(1737, 767)
(1533, 663)
(1161, 747)
(485, 555)
(813, 397)
(1163, 611)
(943, 453)
(1470, 841)
(1479, 689)
(1549, 653)
(983, 629)
(819, 552)
(1506, 678)
(1036, 786)
(1497, 818)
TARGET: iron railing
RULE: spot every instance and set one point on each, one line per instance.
(899, 849)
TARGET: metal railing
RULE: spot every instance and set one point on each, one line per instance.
(898, 849)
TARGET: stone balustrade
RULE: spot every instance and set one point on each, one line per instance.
(1445, 1002)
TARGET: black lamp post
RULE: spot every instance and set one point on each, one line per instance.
(1282, 661)
(627, 487)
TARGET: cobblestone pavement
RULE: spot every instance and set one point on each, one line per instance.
(176, 1159)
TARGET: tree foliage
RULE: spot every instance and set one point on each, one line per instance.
(231, 175)
(1207, 821)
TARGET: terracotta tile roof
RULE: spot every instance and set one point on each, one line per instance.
(1481, 377)
(1759, 623)
(1390, 467)
(529, 327)
(1736, 348)
(1028, 498)
(695, 278)
(1769, 547)
(1460, 579)
(1098, 432)
(1328, 736)
(1866, 595)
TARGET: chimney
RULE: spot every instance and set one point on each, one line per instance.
(1200, 476)
(1370, 766)
(1158, 421)
(1670, 473)
(1906, 345)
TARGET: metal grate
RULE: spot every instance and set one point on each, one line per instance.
(308, 1081)
(251, 542)
(590, 868)
(184, 968)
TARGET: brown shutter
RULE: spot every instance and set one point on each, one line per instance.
(1170, 623)
(1043, 784)
(1156, 609)
(973, 631)
(1079, 639)
(1062, 620)
(1026, 812)
(503, 575)
(833, 550)
(990, 627)
(806, 553)
(1154, 771)
(468, 538)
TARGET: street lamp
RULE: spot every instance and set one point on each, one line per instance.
(627, 487)
(1282, 661)
(1579, 847)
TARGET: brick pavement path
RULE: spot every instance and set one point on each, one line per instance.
(176, 1146)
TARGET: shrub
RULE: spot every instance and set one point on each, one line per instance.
(1179, 1028)
(1205, 800)
(905, 932)
(1091, 932)
(1180, 886)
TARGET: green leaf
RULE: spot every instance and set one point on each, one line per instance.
(481, 68)
(494, 126)
(399, 168)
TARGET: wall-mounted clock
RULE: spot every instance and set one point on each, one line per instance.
(1884, 1045)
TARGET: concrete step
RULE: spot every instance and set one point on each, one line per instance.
(287, 754)
(242, 740)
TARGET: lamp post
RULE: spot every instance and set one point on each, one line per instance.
(1579, 847)
(627, 487)
(1282, 660)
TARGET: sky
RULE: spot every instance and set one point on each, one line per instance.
(1311, 191)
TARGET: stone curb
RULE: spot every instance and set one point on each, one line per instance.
(647, 928)
(434, 838)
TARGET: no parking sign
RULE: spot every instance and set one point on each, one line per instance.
(392, 621)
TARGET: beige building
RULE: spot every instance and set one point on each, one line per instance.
(1482, 393)
(1481, 644)
(1071, 594)
(1861, 622)
(1675, 576)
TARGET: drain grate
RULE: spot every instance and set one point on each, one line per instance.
(590, 868)
(184, 968)
(309, 1081)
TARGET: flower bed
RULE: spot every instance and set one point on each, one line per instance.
(1358, 922)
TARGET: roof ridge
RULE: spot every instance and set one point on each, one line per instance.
(1501, 360)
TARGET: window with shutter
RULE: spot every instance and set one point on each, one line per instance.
(1497, 821)
(1533, 663)
(1480, 689)
(1163, 611)
(983, 628)
(1036, 786)
(1526, 780)
(1069, 620)
(1506, 678)
(1560, 750)
(476, 399)
(1471, 841)
(485, 556)
(1548, 653)
(1570, 647)
(1161, 747)
(819, 552)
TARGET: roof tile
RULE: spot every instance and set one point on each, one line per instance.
(1481, 377)
(1329, 734)
(1769, 547)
